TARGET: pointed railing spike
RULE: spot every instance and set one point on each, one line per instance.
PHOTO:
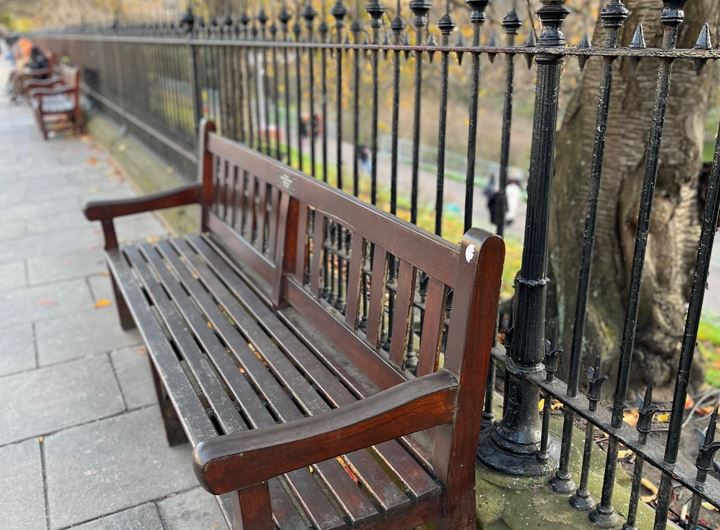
(637, 43)
(704, 43)
(492, 43)
(584, 44)
(531, 42)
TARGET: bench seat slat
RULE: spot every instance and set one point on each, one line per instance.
(357, 505)
(382, 486)
(308, 491)
(410, 472)
(225, 411)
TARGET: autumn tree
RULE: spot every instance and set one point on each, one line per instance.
(675, 221)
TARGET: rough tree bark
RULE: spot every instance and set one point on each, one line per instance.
(675, 221)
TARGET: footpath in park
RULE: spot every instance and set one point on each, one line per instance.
(81, 438)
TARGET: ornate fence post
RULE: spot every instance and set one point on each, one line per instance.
(513, 444)
(187, 22)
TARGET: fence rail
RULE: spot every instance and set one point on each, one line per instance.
(295, 86)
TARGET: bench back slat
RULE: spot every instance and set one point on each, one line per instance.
(397, 301)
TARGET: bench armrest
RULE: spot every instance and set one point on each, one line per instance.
(106, 211)
(238, 461)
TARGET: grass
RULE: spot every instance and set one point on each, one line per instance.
(709, 346)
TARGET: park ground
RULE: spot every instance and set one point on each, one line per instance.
(81, 438)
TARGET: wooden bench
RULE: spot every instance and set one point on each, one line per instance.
(56, 101)
(300, 339)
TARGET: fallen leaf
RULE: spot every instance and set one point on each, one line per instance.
(103, 302)
(347, 469)
(651, 487)
(152, 239)
(47, 302)
(541, 404)
(689, 402)
(122, 148)
(624, 453)
(631, 417)
(556, 405)
(92, 161)
(709, 506)
(663, 417)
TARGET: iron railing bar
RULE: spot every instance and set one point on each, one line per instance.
(189, 155)
(652, 452)
(563, 51)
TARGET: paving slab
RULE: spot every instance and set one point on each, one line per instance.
(80, 238)
(17, 349)
(12, 275)
(57, 267)
(143, 517)
(81, 335)
(101, 287)
(44, 301)
(42, 224)
(11, 229)
(110, 465)
(132, 367)
(46, 400)
(192, 510)
(22, 497)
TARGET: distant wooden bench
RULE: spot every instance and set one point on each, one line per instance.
(56, 101)
(300, 339)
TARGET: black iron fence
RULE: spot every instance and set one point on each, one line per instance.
(317, 89)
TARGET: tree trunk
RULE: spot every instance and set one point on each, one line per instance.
(675, 221)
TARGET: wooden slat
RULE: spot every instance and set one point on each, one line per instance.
(216, 184)
(432, 327)
(367, 469)
(316, 263)
(404, 295)
(320, 510)
(273, 224)
(426, 251)
(249, 226)
(225, 191)
(358, 507)
(201, 370)
(415, 478)
(352, 306)
(285, 512)
(234, 199)
(260, 216)
(242, 248)
(377, 295)
(192, 415)
(301, 255)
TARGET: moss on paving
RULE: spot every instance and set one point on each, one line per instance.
(511, 503)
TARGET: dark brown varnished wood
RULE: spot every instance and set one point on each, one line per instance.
(300, 413)
(233, 462)
(55, 99)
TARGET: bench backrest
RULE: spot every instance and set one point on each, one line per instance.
(398, 301)
(70, 76)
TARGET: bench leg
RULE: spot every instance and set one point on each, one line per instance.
(173, 428)
(255, 508)
(126, 320)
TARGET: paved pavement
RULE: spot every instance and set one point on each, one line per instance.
(81, 439)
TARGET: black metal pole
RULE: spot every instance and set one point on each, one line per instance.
(613, 16)
(512, 445)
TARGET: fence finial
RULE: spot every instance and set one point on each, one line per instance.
(703, 42)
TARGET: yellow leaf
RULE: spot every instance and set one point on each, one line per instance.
(103, 302)
(651, 487)
(541, 404)
(709, 506)
(663, 417)
(631, 417)
(624, 453)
